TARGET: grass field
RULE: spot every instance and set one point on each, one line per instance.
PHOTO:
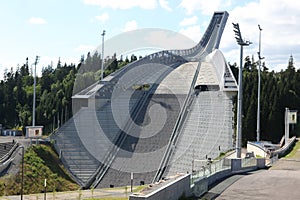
(295, 152)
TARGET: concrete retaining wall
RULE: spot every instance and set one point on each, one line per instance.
(202, 184)
(286, 148)
(261, 163)
(172, 191)
(175, 189)
(256, 149)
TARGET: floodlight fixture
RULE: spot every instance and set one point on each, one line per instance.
(258, 88)
(242, 43)
(102, 62)
(34, 90)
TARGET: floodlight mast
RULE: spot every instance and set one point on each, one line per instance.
(242, 43)
(258, 89)
(34, 86)
(102, 63)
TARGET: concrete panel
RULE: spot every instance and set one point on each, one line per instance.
(200, 187)
(172, 191)
(236, 164)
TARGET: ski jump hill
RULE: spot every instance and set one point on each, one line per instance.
(163, 114)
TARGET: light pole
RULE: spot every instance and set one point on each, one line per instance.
(34, 85)
(102, 63)
(242, 43)
(22, 177)
(258, 89)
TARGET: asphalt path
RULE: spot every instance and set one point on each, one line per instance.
(281, 181)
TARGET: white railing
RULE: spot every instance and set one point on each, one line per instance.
(212, 168)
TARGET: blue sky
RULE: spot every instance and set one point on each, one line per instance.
(70, 28)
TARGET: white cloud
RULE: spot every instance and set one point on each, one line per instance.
(102, 18)
(192, 32)
(130, 26)
(37, 20)
(84, 48)
(165, 5)
(206, 7)
(122, 4)
(279, 21)
(189, 21)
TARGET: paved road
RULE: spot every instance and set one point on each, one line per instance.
(74, 195)
(269, 184)
(282, 181)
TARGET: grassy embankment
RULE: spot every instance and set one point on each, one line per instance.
(40, 163)
(295, 151)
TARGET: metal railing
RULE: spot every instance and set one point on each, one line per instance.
(9, 157)
(9, 153)
(211, 168)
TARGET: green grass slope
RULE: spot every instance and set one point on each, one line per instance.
(40, 163)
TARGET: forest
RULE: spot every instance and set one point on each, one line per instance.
(58, 83)
(278, 91)
(54, 89)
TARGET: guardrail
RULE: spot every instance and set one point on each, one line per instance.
(8, 154)
(7, 158)
(283, 150)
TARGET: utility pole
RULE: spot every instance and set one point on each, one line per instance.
(34, 85)
(102, 63)
(22, 177)
(258, 89)
(242, 43)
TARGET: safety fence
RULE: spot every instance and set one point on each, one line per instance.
(211, 168)
(224, 165)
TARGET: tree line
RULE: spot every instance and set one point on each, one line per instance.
(54, 89)
(278, 91)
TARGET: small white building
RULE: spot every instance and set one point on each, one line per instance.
(34, 131)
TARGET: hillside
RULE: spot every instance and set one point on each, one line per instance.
(40, 163)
